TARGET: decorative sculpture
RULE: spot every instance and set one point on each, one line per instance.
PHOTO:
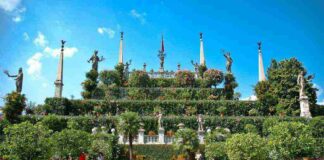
(159, 116)
(19, 79)
(95, 60)
(301, 83)
(179, 66)
(144, 67)
(200, 121)
(229, 62)
(161, 55)
(196, 65)
(126, 69)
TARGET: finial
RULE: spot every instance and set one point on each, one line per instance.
(200, 35)
(96, 51)
(259, 45)
(122, 35)
(62, 46)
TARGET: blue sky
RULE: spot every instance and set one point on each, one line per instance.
(31, 31)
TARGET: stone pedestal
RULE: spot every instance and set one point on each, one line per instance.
(201, 136)
(161, 135)
(304, 107)
(141, 136)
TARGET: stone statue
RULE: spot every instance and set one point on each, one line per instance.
(144, 67)
(126, 69)
(301, 83)
(161, 55)
(19, 79)
(178, 66)
(159, 116)
(229, 62)
(200, 121)
(196, 65)
(95, 60)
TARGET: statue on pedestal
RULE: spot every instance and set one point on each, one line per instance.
(196, 65)
(301, 83)
(144, 67)
(19, 79)
(159, 116)
(95, 60)
(161, 55)
(229, 62)
(201, 122)
(179, 66)
(126, 69)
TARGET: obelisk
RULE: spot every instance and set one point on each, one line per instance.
(59, 77)
(202, 54)
(261, 69)
(120, 58)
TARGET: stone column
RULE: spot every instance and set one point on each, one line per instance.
(261, 68)
(59, 77)
(141, 136)
(120, 57)
(202, 54)
(304, 107)
(161, 135)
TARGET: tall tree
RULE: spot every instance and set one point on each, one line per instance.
(128, 125)
(90, 84)
(281, 88)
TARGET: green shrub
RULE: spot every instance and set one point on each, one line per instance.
(90, 84)
(155, 152)
(162, 82)
(61, 106)
(110, 77)
(291, 140)
(248, 146)
(250, 128)
(213, 77)
(229, 86)
(54, 123)
(139, 79)
(215, 144)
(201, 70)
(105, 144)
(14, 105)
(3, 124)
(27, 141)
(253, 112)
(70, 142)
(186, 142)
(317, 126)
(184, 79)
(268, 123)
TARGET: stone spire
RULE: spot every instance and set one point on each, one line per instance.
(59, 79)
(261, 69)
(120, 58)
(202, 54)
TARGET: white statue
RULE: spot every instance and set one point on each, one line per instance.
(301, 83)
(200, 121)
(159, 116)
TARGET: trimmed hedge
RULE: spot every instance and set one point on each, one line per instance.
(148, 107)
(235, 124)
(163, 93)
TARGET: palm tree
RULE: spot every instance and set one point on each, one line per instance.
(128, 125)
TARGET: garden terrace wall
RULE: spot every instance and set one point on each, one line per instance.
(164, 93)
(149, 107)
(235, 124)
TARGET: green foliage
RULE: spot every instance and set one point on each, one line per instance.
(291, 140)
(184, 78)
(120, 70)
(253, 112)
(186, 142)
(229, 86)
(317, 126)
(70, 142)
(14, 105)
(248, 146)
(201, 70)
(139, 79)
(26, 141)
(54, 123)
(155, 152)
(90, 84)
(61, 106)
(162, 82)
(110, 77)
(268, 123)
(281, 91)
(128, 125)
(250, 128)
(215, 144)
(213, 77)
(3, 124)
(105, 144)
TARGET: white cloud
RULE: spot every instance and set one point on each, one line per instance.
(40, 40)
(109, 31)
(68, 51)
(9, 5)
(26, 36)
(250, 98)
(138, 16)
(34, 65)
(17, 19)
